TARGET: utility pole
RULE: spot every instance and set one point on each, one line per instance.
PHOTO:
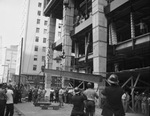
(8, 75)
(20, 63)
(44, 74)
(43, 70)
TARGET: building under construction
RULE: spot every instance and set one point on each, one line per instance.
(104, 36)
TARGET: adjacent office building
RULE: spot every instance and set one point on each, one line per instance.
(9, 63)
(32, 48)
(0, 59)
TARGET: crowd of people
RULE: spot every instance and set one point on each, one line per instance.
(141, 102)
(8, 96)
(116, 101)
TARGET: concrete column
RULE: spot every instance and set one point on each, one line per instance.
(99, 24)
(50, 41)
(68, 15)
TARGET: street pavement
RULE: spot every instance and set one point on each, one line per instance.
(28, 109)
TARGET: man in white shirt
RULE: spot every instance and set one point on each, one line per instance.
(9, 102)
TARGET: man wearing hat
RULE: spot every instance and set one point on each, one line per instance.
(78, 103)
(113, 93)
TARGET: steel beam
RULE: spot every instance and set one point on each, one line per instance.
(77, 76)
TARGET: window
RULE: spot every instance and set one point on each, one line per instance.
(43, 58)
(59, 25)
(44, 49)
(37, 30)
(45, 31)
(35, 57)
(59, 34)
(34, 67)
(39, 4)
(36, 39)
(38, 21)
(45, 22)
(44, 40)
(39, 13)
(36, 48)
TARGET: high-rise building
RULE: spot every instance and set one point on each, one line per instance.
(0, 59)
(0, 49)
(34, 33)
(9, 63)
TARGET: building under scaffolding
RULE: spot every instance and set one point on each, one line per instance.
(105, 36)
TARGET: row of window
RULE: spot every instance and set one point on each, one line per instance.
(38, 30)
(39, 5)
(37, 39)
(39, 21)
(36, 58)
(36, 48)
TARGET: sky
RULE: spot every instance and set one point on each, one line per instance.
(10, 19)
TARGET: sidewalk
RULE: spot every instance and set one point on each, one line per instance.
(28, 109)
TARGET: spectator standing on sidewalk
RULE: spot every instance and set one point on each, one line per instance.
(2, 100)
(91, 94)
(148, 99)
(78, 103)
(113, 93)
(125, 101)
(137, 102)
(9, 102)
(30, 95)
(52, 95)
(61, 93)
(143, 104)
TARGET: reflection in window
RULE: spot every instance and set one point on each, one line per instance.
(36, 39)
(35, 57)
